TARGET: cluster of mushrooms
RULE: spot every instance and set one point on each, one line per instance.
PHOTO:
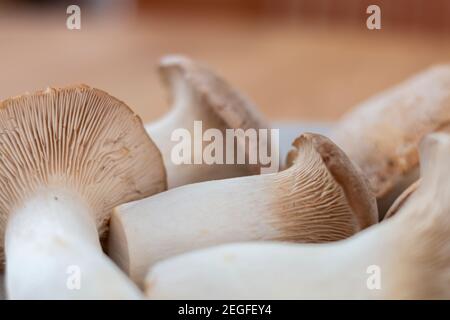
(85, 185)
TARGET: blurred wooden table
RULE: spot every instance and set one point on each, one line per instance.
(292, 71)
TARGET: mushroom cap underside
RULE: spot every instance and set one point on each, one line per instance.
(347, 175)
(77, 138)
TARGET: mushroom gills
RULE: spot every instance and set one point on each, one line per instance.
(69, 156)
(405, 257)
(320, 198)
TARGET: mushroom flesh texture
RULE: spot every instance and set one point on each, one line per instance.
(203, 101)
(382, 134)
(68, 157)
(321, 197)
(405, 257)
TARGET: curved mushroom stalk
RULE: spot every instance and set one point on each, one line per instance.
(68, 156)
(55, 224)
(320, 198)
(382, 134)
(405, 257)
(203, 102)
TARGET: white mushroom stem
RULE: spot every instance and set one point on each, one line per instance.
(68, 157)
(53, 252)
(200, 95)
(182, 116)
(407, 256)
(264, 271)
(320, 198)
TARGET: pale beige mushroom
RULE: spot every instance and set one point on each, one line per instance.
(198, 94)
(405, 257)
(320, 198)
(382, 134)
(68, 157)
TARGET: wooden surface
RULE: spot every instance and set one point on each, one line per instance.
(292, 71)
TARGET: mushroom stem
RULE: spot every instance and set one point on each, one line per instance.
(266, 271)
(405, 257)
(382, 134)
(200, 95)
(68, 157)
(183, 117)
(320, 198)
(57, 223)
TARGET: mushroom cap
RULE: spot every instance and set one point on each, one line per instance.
(235, 109)
(214, 93)
(75, 138)
(346, 174)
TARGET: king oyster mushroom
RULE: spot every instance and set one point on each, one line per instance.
(382, 134)
(405, 257)
(198, 94)
(67, 157)
(321, 197)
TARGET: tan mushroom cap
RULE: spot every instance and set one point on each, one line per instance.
(231, 106)
(234, 108)
(79, 139)
(349, 177)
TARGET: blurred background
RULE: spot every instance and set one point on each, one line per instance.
(296, 59)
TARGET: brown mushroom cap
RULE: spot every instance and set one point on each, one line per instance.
(215, 94)
(349, 177)
(80, 139)
(234, 108)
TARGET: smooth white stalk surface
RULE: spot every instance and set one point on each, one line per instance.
(271, 271)
(53, 252)
(158, 229)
